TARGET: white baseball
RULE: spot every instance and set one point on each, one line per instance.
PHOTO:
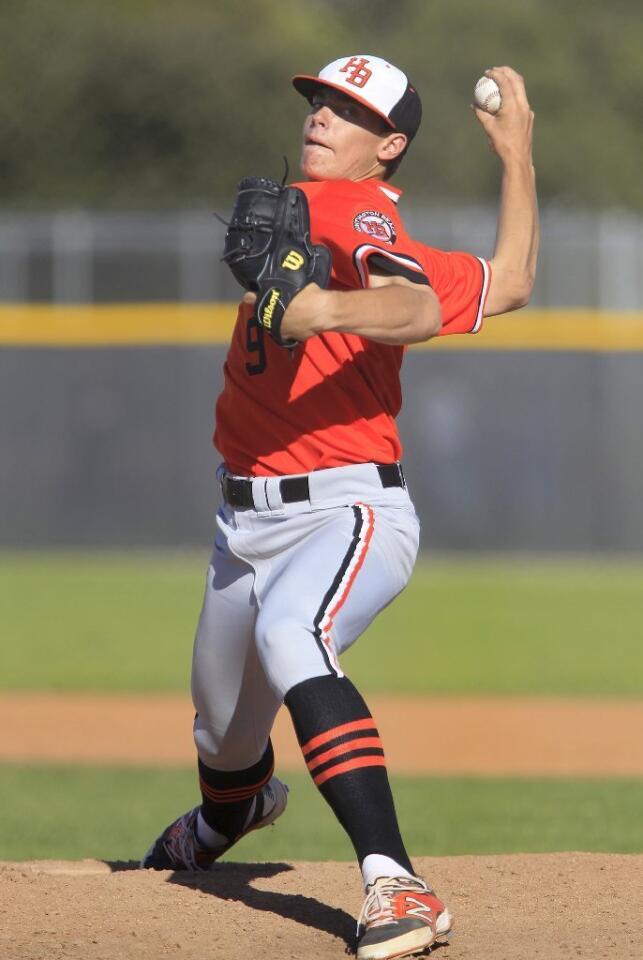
(487, 95)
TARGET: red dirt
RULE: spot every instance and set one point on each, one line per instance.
(541, 907)
(455, 735)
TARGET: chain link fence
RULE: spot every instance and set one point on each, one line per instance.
(588, 258)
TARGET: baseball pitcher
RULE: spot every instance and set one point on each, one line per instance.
(317, 532)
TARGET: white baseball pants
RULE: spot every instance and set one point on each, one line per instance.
(289, 588)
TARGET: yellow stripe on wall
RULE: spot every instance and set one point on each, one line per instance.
(575, 330)
(175, 324)
(116, 325)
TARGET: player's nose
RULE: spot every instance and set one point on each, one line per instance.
(320, 114)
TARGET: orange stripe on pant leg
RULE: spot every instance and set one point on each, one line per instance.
(358, 743)
(351, 727)
(347, 767)
(347, 589)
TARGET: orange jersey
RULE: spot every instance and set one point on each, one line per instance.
(332, 401)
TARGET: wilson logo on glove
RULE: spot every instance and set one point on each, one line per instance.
(269, 250)
(269, 309)
(294, 261)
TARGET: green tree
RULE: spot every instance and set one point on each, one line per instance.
(141, 103)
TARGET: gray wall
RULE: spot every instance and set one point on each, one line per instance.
(506, 450)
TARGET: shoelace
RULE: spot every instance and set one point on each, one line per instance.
(182, 846)
(378, 908)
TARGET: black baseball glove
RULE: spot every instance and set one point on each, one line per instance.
(267, 247)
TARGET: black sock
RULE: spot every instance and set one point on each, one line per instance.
(228, 795)
(344, 755)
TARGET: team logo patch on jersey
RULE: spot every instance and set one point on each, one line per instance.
(376, 225)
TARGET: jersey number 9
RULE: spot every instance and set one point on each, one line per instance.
(255, 344)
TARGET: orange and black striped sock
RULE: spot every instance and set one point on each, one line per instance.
(344, 754)
(228, 795)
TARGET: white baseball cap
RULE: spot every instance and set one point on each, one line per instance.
(373, 82)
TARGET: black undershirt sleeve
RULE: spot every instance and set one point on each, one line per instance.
(384, 264)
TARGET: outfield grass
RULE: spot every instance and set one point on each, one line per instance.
(125, 621)
(114, 814)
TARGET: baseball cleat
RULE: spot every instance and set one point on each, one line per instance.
(178, 848)
(401, 916)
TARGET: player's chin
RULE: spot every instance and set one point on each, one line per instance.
(315, 163)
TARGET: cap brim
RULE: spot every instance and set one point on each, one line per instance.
(307, 85)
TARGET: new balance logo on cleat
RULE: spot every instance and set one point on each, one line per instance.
(401, 916)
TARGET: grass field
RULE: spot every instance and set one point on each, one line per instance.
(114, 814)
(125, 621)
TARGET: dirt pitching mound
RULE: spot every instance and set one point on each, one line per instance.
(507, 908)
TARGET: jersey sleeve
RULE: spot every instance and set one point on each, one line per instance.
(369, 256)
(461, 283)
(363, 236)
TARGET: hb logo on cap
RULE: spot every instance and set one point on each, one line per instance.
(357, 72)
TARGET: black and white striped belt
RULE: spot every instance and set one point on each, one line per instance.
(237, 491)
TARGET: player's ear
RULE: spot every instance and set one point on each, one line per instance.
(392, 146)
